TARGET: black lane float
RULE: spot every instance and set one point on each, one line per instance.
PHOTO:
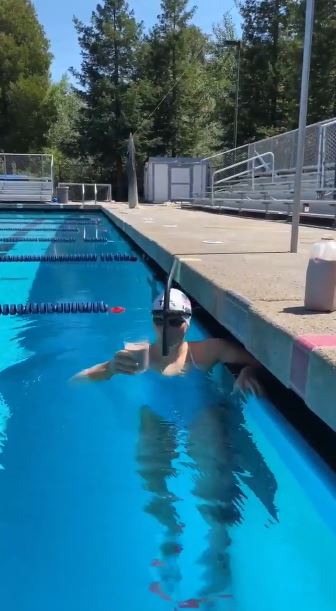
(90, 307)
(21, 239)
(25, 229)
(88, 258)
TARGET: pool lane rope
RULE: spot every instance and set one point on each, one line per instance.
(15, 240)
(88, 258)
(46, 221)
(25, 229)
(90, 307)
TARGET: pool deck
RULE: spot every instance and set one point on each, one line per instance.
(241, 272)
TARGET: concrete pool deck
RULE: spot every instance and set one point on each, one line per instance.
(240, 271)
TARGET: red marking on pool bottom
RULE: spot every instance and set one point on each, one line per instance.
(191, 603)
(117, 310)
(158, 563)
(195, 603)
(155, 587)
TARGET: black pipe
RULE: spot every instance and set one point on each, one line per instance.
(166, 308)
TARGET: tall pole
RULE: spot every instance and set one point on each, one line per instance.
(235, 126)
(302, 124)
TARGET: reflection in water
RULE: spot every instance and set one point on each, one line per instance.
(219, 452)
(157, 449)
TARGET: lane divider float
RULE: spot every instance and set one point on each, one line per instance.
(90, 307)
(88, 258)
(21, 239)
(61, 229)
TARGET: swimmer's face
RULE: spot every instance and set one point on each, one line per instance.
(176, 328)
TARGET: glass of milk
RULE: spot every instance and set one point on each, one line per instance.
(140, 353)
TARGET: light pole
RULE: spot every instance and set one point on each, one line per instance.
(302, 124)
(237, 45)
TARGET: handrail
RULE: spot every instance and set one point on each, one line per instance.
(235, 165)
(224, 152)
(95, 186)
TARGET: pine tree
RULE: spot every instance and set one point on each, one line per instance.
(176, 71)
(26, 108)
(109, 47)
(223, 80)
(322, 104)
(264, 25)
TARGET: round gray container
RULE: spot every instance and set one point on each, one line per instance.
(62, 195)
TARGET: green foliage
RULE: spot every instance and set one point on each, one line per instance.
(223, 73)
(26, 106)
(177, 82)
(109, 46)
(174, 88)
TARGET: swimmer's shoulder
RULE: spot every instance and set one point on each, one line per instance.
(205, 353)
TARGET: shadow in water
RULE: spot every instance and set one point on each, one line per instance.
(220, 456)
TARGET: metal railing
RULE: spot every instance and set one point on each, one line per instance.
(26, 167)
(250, 170)
(319, 155)
(95, 186)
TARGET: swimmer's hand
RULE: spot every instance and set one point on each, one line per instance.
(98, 373)
(247, 382)
(123, 362)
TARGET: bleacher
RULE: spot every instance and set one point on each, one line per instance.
(26, 178)
(260, 177)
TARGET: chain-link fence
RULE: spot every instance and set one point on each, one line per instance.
(284, 148)
(327, 157)
(26, 167)
(319, 155)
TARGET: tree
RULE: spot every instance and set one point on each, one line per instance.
(63, 135)
(223, 75)
(26, 108)
(322, 82)
(263, 28)
(176, 70)
(109, 47)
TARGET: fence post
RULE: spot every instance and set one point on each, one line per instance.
(95, 193)
(320, 158)
(253, 168)
(83, 193)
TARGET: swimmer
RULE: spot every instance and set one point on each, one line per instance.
(182, 355)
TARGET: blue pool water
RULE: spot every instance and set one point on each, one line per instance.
(143, 493)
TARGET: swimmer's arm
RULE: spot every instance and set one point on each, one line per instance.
(228, 352)
(233, 354)
(97, 373)
(122, 362)
(215, 350)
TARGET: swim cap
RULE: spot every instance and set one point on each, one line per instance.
(178, 302)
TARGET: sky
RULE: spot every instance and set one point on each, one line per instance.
(56, 18)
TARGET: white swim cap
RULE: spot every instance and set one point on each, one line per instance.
(178, 302)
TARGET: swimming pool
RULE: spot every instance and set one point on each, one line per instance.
(107, 501)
